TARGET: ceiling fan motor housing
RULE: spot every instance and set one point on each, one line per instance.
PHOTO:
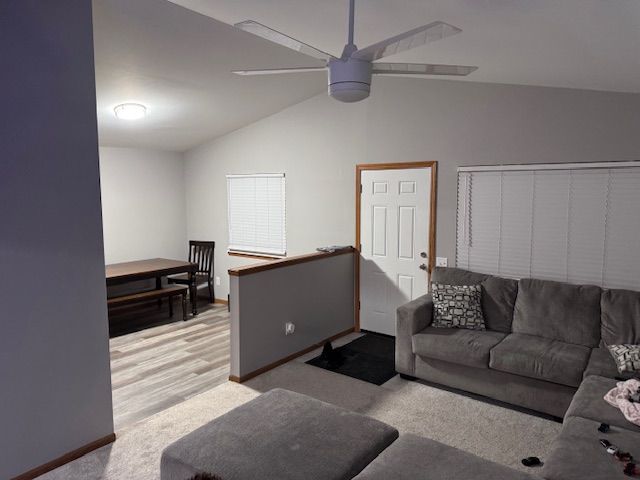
(350, 79)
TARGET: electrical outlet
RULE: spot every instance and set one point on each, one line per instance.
(218, 281)
(441, 261)
(289, 328)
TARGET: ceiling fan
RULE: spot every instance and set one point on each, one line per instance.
(350, 75)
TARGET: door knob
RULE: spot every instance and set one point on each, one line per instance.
(423, 267)
(423, 254)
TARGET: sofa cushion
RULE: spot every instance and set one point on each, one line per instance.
(588, 402)
(560, 311)
(620, 317)
(456, 345)
(417, 458)
(498, 294)
(457, 306)
(577, 454)
(601, 363)
(541, 358)
(279, 435)
(498, 300)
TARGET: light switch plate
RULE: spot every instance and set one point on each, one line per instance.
(218, 281)
(441, 261)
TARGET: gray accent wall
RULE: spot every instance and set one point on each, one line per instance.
(317, 296)
(318, 142)
(55, 386)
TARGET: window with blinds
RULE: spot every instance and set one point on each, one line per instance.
(256, 214)
(575, 223)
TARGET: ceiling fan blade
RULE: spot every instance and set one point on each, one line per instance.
(275, 71)
(407, 40)
(282, 39)
(422, 69)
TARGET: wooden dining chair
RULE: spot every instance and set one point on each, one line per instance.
(200, 253)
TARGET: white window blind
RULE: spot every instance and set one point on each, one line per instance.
(256, 211)
(577, 223)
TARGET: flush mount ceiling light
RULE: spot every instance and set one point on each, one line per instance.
(130, 111)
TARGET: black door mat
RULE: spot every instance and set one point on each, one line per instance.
(370, 358)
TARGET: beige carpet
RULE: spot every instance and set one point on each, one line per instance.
(490, 431)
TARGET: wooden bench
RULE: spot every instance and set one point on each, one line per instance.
(158, 294)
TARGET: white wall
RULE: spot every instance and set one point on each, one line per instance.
(317, 143)
(143, 204)
(55, 384)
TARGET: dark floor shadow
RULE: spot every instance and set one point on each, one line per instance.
(141, 316)
(370, 358)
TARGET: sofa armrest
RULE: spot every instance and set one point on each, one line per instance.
(411, 318)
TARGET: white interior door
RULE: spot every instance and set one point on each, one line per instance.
(394, 232)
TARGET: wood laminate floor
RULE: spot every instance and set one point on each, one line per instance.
(156, 368)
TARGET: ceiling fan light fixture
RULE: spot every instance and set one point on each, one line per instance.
(349, 80)
(349, 92)
(130, 111)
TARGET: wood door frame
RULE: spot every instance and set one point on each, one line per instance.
(433, 165)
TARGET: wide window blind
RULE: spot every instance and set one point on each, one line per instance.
(578, 223)
(256, 211)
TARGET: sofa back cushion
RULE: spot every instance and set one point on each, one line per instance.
(559, 311)
(498, 294)
(620, 317)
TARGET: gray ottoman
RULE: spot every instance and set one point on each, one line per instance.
(417, 458)
(280, 435)
(578, 455)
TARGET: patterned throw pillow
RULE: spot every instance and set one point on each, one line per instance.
(627, 357)
(457, 306)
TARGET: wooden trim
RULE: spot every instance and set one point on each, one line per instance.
(433, 165)
(358, 247)
(288, 358)
(433, 220)
(220, 300)
(356, 292)
(286, 262)
(257, 257)
(394, 166)
(66, 458)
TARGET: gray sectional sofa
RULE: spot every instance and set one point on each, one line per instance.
(544, 349)
(542, 339)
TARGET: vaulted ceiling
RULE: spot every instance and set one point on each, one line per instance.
(177, 61)
(178, 64)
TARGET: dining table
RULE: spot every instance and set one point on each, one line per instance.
(153, 268)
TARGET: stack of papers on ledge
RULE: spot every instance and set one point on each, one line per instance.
(333, 248)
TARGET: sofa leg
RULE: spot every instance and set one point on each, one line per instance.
(407, 377)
